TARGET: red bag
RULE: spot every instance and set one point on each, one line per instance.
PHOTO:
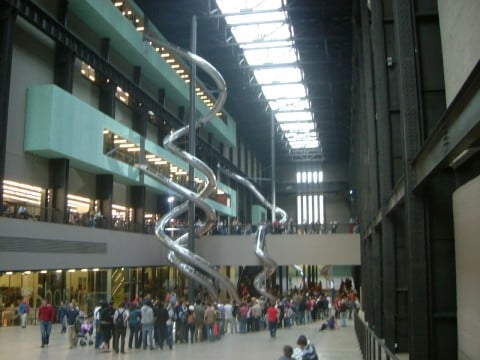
(215, 329)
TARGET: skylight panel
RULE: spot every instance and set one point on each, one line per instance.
(255, 18)
(270, 56)
(245, 6)
(293, 126)
(294, 116)
(289, 104)
(262, 30)
(278, 75)
(267, 44)
(299, 135)
(279, 91)
(308, 144)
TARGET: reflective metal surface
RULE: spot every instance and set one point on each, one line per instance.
(191, 264)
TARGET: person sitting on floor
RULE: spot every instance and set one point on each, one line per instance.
(329, 324)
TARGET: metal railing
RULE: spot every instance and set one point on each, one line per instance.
(372, 347)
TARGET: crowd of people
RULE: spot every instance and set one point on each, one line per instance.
(147, 323)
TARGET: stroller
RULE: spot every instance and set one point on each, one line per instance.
(84, 329)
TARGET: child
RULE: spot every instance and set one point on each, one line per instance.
(287, 353)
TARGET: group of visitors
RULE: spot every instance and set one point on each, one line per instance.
(149, 323)
(304, 350)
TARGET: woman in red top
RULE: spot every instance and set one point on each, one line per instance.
(46, 315)
(272, 317)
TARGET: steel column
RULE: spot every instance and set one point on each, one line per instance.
(418, 294)
(7, 26)
(192, 147)
(104, 193)
(442, 274)
(137, 200)
(59, 174)
(274, 194)
(384, 135)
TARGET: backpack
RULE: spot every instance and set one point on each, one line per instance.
(120, 321)
(181, 315)
(105, 315)
(191, 318)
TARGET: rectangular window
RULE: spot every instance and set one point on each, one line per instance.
(305, 211)
(299, 208)
(310, 209)
(322, 211)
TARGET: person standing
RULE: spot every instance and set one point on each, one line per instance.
(96, 318)
(147, 324)
(134, 324)
(230, 318)
(209, 319)
(45, 315)
(106, 325)
(23, 311)
(61, 312)
(164, 324)
(199, 312)
(120, 319)
(71, 315)
(272, 316)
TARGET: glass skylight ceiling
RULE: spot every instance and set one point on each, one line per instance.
(261, 29)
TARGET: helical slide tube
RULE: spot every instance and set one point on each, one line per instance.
(269, 263)
(248, 184)
(259, 282)
(189, 263)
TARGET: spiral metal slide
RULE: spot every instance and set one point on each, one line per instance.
(189, 263)
(269, 264)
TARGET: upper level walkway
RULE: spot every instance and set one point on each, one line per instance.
(35, 245)
(341, 344)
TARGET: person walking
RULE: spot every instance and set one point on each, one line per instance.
(23, 311)
(71, 315)
(272, 317)
(61, 312)
(45, 315)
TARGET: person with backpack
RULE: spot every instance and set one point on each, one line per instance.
(120, 319)
(190, 324)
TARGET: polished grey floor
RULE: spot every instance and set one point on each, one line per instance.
(18, 343)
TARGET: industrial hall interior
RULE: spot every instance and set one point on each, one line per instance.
(320, 157)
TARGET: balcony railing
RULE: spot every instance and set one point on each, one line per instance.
(372, 347)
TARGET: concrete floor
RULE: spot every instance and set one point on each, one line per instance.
(18, 343)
